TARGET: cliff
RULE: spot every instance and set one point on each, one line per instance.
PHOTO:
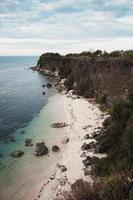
(107, 79)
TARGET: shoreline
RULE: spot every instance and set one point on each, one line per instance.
(83, 117)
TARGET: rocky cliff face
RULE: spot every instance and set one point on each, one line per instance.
(107, 79)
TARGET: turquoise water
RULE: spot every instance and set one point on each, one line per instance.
(24, 108)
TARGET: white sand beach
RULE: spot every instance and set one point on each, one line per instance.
(83, 117)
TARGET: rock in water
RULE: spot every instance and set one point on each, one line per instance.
(41, 149)
(17, 154)
(55, 148)
(49, 85)
(28, 142)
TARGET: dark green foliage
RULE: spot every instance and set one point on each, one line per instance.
(118, 140)
(69, 82)
(116, 187)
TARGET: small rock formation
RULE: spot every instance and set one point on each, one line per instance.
(41, 149)
(17, 154)
(83, 154)
(55, 148)
(49, 85)
(58, 125)
(62, 167)
(65, 140)
(90, 160)
(43, 93)
(87, 136)
(43, 85)
(85, 146)
(107, 121)
(87, 172)
(28, 142)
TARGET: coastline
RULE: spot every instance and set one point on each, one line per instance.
(78, 113)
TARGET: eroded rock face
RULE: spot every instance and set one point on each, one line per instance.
(87, 136)
(55, 148)
(41, 149)
(17, 154)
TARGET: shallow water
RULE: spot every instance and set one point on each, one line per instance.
(25, 113)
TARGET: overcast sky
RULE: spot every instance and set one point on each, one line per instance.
(32, 27)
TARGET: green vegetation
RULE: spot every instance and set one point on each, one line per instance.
(118, 140)
(69, 82)
(94, 54)
(116, 187)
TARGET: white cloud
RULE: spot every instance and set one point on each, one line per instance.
(31, 26)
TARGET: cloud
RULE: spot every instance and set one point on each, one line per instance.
(64, 21)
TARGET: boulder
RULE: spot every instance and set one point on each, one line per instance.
(87, 136)
(28, 142)
(41, 149)
(90, 160)
(88, 146)
(43, 93)
(43, 85)
(17, 154)
(55, 148)
(49, 85)
(62, 167)
(107, 121)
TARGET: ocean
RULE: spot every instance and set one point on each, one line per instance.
(25, 113)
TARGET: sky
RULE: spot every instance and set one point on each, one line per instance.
(32, 27)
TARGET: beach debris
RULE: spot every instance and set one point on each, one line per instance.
(90, 160)
(49, 85)
(41, 149)
(28, 142)
(62, 167)
(59, 125)
(65, 140)
(17, 153)
(55, 148)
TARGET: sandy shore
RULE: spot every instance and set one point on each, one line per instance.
(83, 118)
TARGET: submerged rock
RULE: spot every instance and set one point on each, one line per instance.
(49, 85)
(55, 148)
(41, 149)
(28, 142)
(17, 154)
